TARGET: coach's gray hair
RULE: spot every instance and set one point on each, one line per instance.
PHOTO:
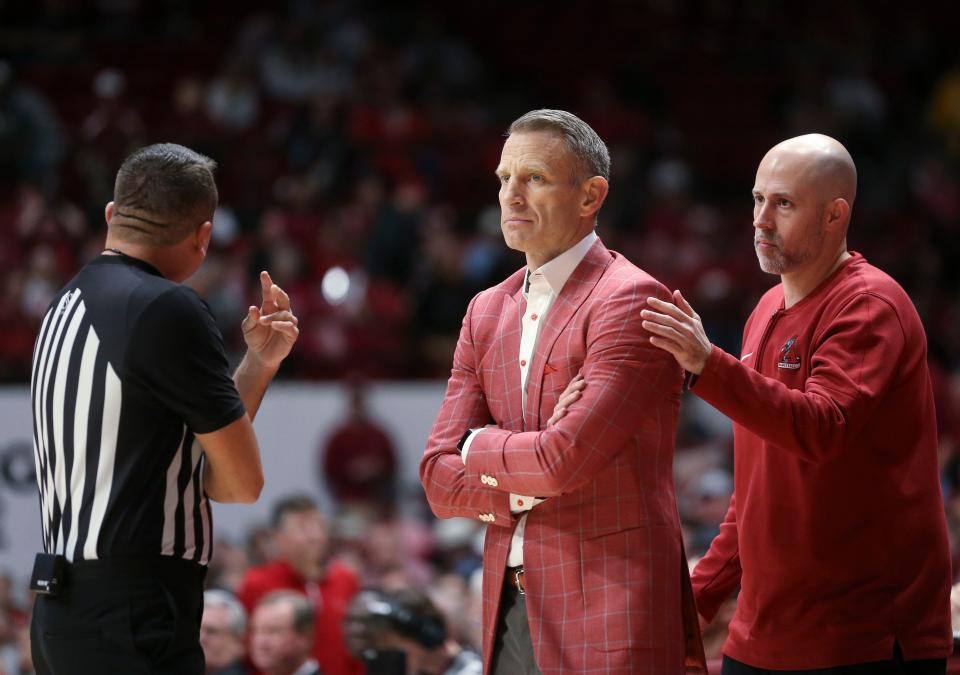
(590, 151)
(238, 616)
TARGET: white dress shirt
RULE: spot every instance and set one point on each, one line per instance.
(541, 288)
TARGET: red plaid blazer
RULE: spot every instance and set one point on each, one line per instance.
(607, 589)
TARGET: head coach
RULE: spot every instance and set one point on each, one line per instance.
(137, 423)
(583, 567)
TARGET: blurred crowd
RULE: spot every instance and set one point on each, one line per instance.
(356, 144)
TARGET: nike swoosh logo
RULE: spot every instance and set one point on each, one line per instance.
(746, 356)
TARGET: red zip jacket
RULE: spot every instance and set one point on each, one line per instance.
(836, 532)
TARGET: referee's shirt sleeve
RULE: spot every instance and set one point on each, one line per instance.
(176, 353)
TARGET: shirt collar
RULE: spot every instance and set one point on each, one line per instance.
(557, 271)
(124, 259)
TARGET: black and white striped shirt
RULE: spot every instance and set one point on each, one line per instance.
(126, 369)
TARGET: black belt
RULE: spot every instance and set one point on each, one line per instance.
(513, 578)
(157, 567)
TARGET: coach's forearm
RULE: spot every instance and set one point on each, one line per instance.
(252, 379)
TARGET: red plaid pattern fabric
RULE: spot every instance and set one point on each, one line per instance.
(607, 590)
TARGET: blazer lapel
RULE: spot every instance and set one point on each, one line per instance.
(510, 329)
(501, 377)
(578, 287)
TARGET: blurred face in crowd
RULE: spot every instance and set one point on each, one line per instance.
(361, 631)
(276, 647)
(221, 646)
(801, 203)
(417, 657)
(301, 540)
(545, 205)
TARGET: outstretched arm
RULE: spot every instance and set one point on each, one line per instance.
(853, 363)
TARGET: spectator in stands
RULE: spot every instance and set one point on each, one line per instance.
(233, 99)
(282, 635)
(405, 621)
(222, 632)
(709, 499)
(229, 565)
(114, 125)
(295, 65)
(944, 108)
(303, 565)
(360, 628)
(109, 132)
(359, 460)
(955, 615)
(32, 142)
(9, 605)
(15, 658)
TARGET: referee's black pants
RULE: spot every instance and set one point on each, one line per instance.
(123, 617)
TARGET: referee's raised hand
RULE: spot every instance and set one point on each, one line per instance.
(271, 329)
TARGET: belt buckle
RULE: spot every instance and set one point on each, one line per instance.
(517, 573)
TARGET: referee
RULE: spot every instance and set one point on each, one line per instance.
(129, 370)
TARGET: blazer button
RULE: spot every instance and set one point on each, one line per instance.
(493, 482)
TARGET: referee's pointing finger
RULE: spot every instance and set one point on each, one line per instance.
(266, 284)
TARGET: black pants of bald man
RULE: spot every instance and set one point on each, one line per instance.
(121, 617)
(513, 648)
(895, 666)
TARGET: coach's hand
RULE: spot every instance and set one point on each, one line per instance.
(569, 395)
(270, 329)
(678, 330)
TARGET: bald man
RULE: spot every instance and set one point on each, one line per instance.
(836, 531)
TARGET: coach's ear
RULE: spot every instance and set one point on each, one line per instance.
(202, 237)
(594, 192)
(108, 212)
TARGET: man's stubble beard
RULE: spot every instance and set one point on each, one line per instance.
(781, 261)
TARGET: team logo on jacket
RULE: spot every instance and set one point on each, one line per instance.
(789, 359)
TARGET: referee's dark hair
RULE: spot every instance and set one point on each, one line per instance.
(293, 504)
(162, 193)
(303, 614)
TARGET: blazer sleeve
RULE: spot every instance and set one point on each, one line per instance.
(630, 386)
(442, 471)
(717, 574)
